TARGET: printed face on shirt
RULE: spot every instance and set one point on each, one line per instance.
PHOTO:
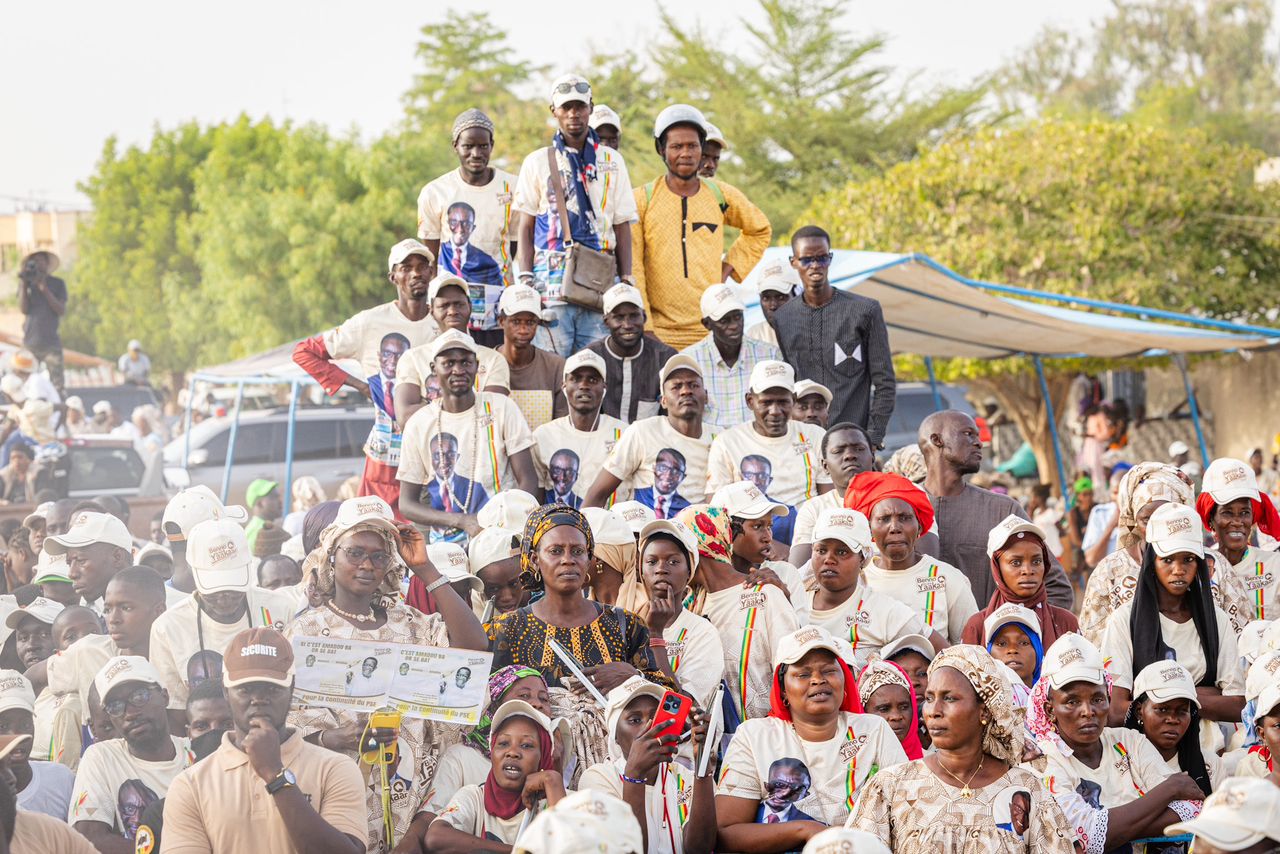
(444, 455)
(393, 346)
(563, 470)
(758, 470)
(1012, 811)
(132, 799)
(204, 666)
(462, 223)
(788, 782)
(668, 471)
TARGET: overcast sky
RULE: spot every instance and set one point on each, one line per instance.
(77, 72)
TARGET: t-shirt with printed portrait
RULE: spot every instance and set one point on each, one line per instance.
(786, 468)
(113, 786)
(360, 337)
(568, 459)
(661, 466)
(470, 222)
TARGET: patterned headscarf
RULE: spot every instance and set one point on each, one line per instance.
(319, 571)
(1004, 735)
(879, 673)
(468, 119)
(541, 521)
(499, 683)
(1142, 484)
(909, 462)
(712, 527)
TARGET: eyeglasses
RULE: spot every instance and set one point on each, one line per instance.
(782, 786)
(812, 260)
(581, 87)
(667, 468)
(455, 224)
(139, 698)
(380, 560)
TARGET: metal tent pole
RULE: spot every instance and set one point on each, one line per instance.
(933, 384)
(1053, 429)
(288, 447)
(1181, 361)
(231, 444)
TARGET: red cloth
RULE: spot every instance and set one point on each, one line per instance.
(380, 479)
(1054, 621)
(501, 802)
(911, 744)
(419, 598)
(869, 488)
(312, 356)
(1265, 515)
(780, 710)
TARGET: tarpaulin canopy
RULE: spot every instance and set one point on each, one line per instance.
(935, 312)
(270, 366)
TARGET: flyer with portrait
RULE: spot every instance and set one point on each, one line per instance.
(435, 683)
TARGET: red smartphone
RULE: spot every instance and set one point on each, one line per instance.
(672, 715)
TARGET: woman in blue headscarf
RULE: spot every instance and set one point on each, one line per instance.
(1011, 634)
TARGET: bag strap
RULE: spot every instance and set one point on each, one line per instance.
(557, 181)
(715, 191)
(648, 191)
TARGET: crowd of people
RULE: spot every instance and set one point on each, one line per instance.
(632, 506)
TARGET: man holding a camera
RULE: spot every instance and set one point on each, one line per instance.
(43, 299)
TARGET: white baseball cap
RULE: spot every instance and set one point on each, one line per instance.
(16, 692)
(402, 250)
(718, 300)
(1240, 813)
(620, 294)
(520, 299)
(1267, 702)
(617, 700)
(1226, 479)
(219, 555)
(609, 527)
(569, 88)
(908, 643)
(102, 407)
(770, 373)
(1165, 680)
(1249, 644)
(678, 362)
(450, 339)
(88, 528)
(510, 508)
(194, 505)
(585, 359)
(450, 560)
(584, 820)
(1178, 448)
(635, 514)
(844, 840)
(1009, 612)
(684, 535)
(714, 134)
(804, 388)
(519, 708)
(1072, 658)
(490, 546)
(1175, 528)
(777, 277)
(846, 525)
(42, 609)
(124, 670)
(745, 500)
(602, 114)
(50, 567)
(1010, 526)
(445, 280)
(365, 510)
(1261, 673)
(75, 402)
(796, 645)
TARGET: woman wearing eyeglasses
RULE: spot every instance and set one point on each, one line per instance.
(355, 574)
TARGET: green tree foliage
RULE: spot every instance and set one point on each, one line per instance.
(1210, 64)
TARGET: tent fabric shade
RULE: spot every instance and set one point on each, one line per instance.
(932, 311)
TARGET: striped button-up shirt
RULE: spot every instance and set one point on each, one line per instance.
(726, 384)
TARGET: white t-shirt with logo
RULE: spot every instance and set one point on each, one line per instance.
(591, 449)
(71, 671)
(466, 813)
(637, 449)
(934, 589)
(751, 621)
(180, 633)
(696, 654)
(860, 744)
(492, 369)
(113, 786)
(795, 460)
(1257, 577)
(360, 337)
(666, 803)
(868, 620)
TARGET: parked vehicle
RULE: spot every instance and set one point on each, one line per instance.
(913, 404)
(123, 398)
(328, 445)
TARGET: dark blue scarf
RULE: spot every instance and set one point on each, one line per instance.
(582, 165)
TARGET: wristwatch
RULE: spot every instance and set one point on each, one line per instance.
(282, 780)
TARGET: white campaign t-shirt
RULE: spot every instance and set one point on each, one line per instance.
(751, 621)
(466, 813)
(180, 633)
(861, 743)
(867, 620)
(1257, 575)
(360, 337)
(807, 516)
(666, 803)
(71, 671)
(696, 654)
(934, 589)
(107, 785)
(762, 331)
(795, 460)
(585, 451)
(460, 765)
(492, 369)
(49, 791)
(57, 724)
(637, 449)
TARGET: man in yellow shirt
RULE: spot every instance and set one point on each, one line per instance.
(678, 243)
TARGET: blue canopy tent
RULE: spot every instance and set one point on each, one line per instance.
(936, 313)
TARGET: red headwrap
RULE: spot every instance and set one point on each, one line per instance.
(869, 488)
(780, 710)
(911, 744)
(501, 802)
(1265, 515)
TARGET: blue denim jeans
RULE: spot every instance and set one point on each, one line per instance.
(572, 329)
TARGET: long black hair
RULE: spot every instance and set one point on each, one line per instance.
(1144, 620)
(1190, 757)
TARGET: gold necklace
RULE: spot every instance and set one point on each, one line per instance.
(363, 618)
(965, 791)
